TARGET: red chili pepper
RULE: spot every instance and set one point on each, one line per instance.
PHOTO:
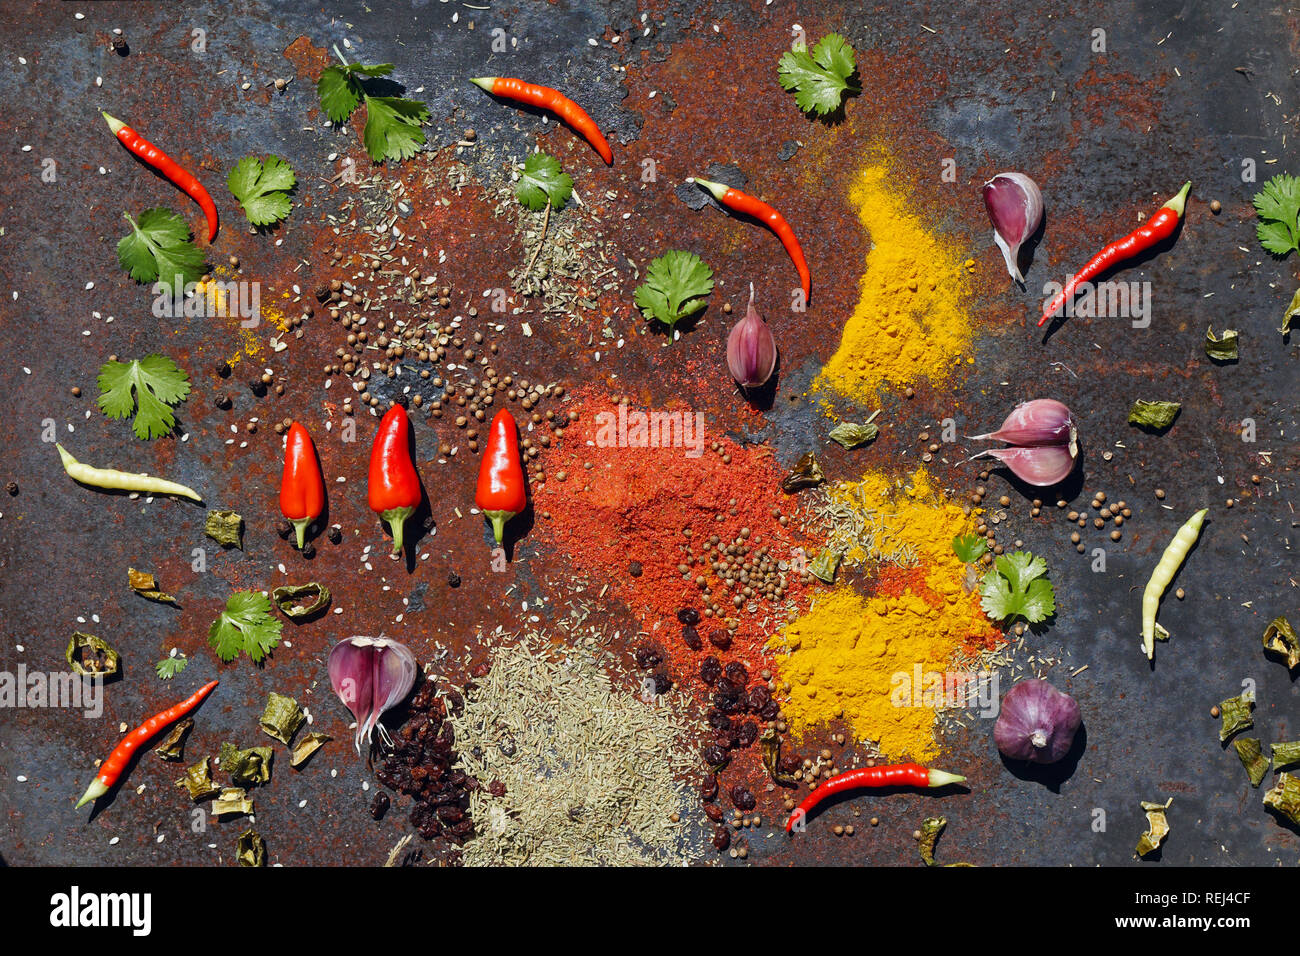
(543, 97)
(157, 159)
(749, 205)
(394, 491)
(302, 489)
(896, 775)
(111, 769)
(1155, 230)
(501, 492)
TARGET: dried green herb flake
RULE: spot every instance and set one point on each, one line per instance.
(1222, 348)
(1157, 827)
(1280, 640)
(173, 745)
(90, 656)
(250, 849)
(929, 838)
(806, 474)
(146, 585)
(824, 566)
(309, 744)
(1251, 754)
(232, 800)
(1286, 754)
(851, 435)
(1235, 714)
(770, 745)
(247, 768)
(1154, 415)
(1285, 797)
(281, 718)
(226, 528)
(287, 599)
(198, 781)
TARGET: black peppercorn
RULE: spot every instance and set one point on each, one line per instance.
(663, 683)
(379, 806)
(334, 534)
(453, 579)
(309, 551)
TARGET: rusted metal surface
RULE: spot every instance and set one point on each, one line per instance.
(1106, 135)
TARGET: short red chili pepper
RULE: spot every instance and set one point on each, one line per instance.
(546, 98)
(394, 489)
(154, 157)
(110, 771)
(302, 488)
(1154, 231)
(896, 775)
(502, 492)
(743, 202)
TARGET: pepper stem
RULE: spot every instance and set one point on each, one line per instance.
(93, 792)
(484, 83)
(499, 519)
(1180, 201)
(396, 517)
(115, 124)
(717, 190)
(939, 778)
(301, 525)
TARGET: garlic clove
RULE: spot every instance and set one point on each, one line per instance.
(351, 670)
(1015, 207)
(394, 676)
(751, 348)
(1039, 465)
(1042, 421)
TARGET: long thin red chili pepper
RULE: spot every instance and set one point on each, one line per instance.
(302, 488)
(502, 492)
(546, 98)
(1155, 230)
(177, 174)
(751, 206)
(111, 769)
(895, 775)
(394, 488)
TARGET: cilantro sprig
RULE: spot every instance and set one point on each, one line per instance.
(542, 181)
(247, 625)
(169, 667)
(1016, 587)
(159, 248)
(677, 284)
(145, 388)
(969, 547)
(392, 122)
(820, 80)
(262, 188)
(1278, 207)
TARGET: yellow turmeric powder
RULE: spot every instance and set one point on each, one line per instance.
(910, 321)
(847, 652)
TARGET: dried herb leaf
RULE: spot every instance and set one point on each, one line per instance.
(1222, 348)
(926, 842)
(173, 745)
(1292, 311)
(226, 528)
(91, 657)
(198, 781)
(232, 800)
(1157, 827)
(246, 767)
(806, 474)
(282, 717)
(309, 744)
(1251, 754)
(250, 849)
(1280, 639)
(286, 598)
(851, 435)
(145, 585)
(825, 564)
(1235, 713)
(1154, 415)
(770, 745)
(1284, 755)
(1285, 797)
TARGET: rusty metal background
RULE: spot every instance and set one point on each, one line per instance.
(1183, 91)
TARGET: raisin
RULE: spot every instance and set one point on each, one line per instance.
(710, 670)
(738, 673)
(747, 733)
(742, 798)
(709, 787)
(691, 638)
(379, 806)
(713, 812)
(647, 656)
(688, 615)
(721, 839)
(715, 757)
(720, 639)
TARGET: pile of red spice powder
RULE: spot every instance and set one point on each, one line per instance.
(628, 515)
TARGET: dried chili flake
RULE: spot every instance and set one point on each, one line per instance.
(146, 585)
(90, 656)
(1251, 753)
(807, 473)
(1280, 640)
(1157, 827)
(1285, 797)
(1236, 715)
(287, 599)
(173, 745)
(281, 717)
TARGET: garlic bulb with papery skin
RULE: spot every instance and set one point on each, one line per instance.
(1036, 723)
(1043, 421)
(751, 348)
(371, 675)
(1015, 207)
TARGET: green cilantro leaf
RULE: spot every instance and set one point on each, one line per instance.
(969, 547)
(819, 81)
(153, 383)
(159, 249)
(542, 181)
(169, 667)
(1278, 206)
(392, 122)
(1016, 587)
(676, 285)
(393, 127)
(262, 188)
(247, 625)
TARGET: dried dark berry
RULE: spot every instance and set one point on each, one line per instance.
(758, 697)
(662, 683)
(647, 656)
(709, 787)
(747, 733)
(713, 812)
(721, 839)
(720, 639)
(634, 568)
(496, 788)
(742, 798)
(710, 670)
(729, 687)
(334, 534)
(453, 579)
(379, 806)
(309, 551)
(715, 758)
(717, 719)
(223, 369)
(770, 711)
(790, 762)
(222, 401)
(691, 638)
(688, 615)
(737, 672)
(450, 814)
(464, 828)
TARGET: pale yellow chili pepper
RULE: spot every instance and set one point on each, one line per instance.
(122, 480)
